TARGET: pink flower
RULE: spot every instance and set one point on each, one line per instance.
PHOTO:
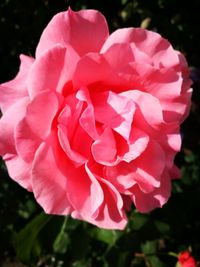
(186, 260)
(91, 124)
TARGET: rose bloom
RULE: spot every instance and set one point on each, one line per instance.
(91, 124)
(186, 260)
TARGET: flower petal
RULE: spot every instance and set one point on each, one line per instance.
(115, 111)
(20, 171)
(145, 171)
(149, 106)
(151, 43)
(111, 214)
(52, 70)
(37, 124)
(14, 90)
(8, 123)
(84, 192)
(145, 202)
(104, 148)
(85, 30)
(49, 179)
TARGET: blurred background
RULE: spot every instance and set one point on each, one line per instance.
(28, 237)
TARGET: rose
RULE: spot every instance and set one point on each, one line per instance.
(91, 124)
(185, 259)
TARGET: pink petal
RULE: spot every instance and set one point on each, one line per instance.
(74, 155)
(49, 178)
(145, 170)
(72, 137)
(115, 111)
(104, 148)
(156, 199)
(8, 123)
(14, 90)
(52, 70)
(111, 214)
(151, 43)
(85, 31)
(121, 176)
(178, 109)
(87, 118)
(84, 192)
(149, 106)
(37, 124)
(138, 142)
(94, 69)
(150, 166)
(19, 171)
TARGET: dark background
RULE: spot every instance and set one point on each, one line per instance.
(30, 237)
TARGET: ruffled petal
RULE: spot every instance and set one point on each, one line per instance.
(115, 111)
(84, 192)
(85, 30)
(156, 199)
(148, 105)
(14, 90)
(71, 153)
(111, 214)
(8, 123)
(72, 137)
(104, 149)
(151, 43)
(49, 178)
(145, 171)
(20, 171)
(52, 70)
(87, 118)
(37, 124)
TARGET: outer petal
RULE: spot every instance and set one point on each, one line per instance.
(156, 199)
(20, 171)
(52, 70)
(85, 30)
(84, 192)
(37, 124)
(111, 214)
(49, 178)
(149, 106)
(8, 123)
(93, 68)
(138, 142)
(151, 43)
(14, 90)
(145, 171)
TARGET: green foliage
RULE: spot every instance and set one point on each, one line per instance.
(150, 240)
(26, 251)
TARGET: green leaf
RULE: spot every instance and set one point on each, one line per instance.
(124, 2)
(106, 236)
(149, 247)
(138, 221)
(162, 227)
(62, 240)
(26, 242)
(122, 259)
(155, 261)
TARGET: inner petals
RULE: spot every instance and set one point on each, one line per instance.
(104, 149)
(115, 111)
